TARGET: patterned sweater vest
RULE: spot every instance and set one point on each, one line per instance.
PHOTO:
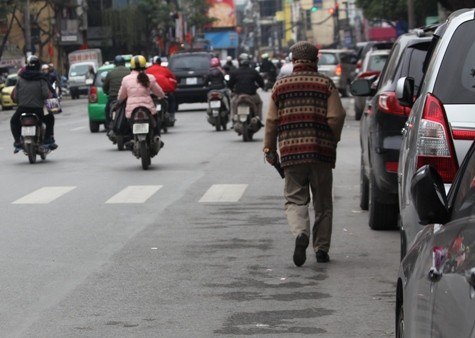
(303, 132)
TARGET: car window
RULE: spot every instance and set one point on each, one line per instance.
(196, 62)
(412, 64)
(377, 62)
(455, 83)
(11, 81)
(327, 59)
(390, 67)
(78, 70)
(101, 74)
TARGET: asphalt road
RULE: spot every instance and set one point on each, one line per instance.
(91, 245)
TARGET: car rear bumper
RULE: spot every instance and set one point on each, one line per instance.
(96, 112)
(191, 95)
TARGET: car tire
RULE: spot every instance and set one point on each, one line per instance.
(93, 127)
(364, 188)
(381, 216)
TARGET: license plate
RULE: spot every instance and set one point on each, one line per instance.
(243, 110)
(215, 104)
(140, 128)
(28, 131)
(159, 107)
(191, 80)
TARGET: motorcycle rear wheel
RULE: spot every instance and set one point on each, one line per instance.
(217, 123)
(144, 155)
(30, 149)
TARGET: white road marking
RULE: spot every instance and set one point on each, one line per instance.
(134, 194)
(78, 128)
(43, 195)
(223, 193)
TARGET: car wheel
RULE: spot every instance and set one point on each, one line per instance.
(364, 187)
(93, 127)
(381, 216)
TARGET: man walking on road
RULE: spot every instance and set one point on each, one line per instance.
(305, 118)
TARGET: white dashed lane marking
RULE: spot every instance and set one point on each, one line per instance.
(44, 195)
(134, 194)
(223, 193)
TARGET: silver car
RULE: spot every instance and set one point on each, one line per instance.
(340, 66)
(441, 125)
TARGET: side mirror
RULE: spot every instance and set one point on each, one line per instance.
(405, 91)
(428, 194)
(361, 87)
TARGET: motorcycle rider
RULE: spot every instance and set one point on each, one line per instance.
(229, 66)
(137, 87)
(112, 83)
(245, 80)
(268, 68)
(215, 80)
(167, 81)
(31, 91)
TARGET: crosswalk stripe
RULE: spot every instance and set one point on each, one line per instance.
(43, 195)
(134, 194)
(223, 193)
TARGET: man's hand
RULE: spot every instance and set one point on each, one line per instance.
(271, 156)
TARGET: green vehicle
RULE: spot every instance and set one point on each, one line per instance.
(97, 98)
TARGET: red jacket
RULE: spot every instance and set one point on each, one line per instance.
(165, 78)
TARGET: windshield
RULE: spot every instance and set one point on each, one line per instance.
(78, 70)
(327, 59)
(376, 62)
(189, 62)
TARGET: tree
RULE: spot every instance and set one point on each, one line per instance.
(7, 9)
(453, 5)
(395, 10)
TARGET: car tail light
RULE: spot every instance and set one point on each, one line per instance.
(434, 143)
(93, 94)
(338, 70)
(388, 103)
(391, 166)
(463, 134)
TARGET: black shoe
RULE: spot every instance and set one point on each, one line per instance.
(322, 256)
(17, 147)
(301, 244)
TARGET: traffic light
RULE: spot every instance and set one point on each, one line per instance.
(316, 5)
(334, 11)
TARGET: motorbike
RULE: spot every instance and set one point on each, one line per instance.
(32, 136)
(218, 113)
(269, 80)
(145, 143)
(119, 131)
(246, 120)
(162, 113)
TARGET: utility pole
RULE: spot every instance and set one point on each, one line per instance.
(410, 12)
(27, 29)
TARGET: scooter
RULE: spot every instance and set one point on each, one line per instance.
(246, 120)
(32, 136)
(218, 113)
(145, 143)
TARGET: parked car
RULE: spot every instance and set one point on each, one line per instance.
(366, 46)
(380, 128)
(97, 99)
(373, 64)
(5, 99)
(190, 69)
(441, 126)
(339, 65)
(436, 280)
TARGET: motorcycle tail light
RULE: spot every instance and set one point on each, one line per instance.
(215, 96)
(140, 115)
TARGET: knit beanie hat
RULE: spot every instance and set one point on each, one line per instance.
(304, 50)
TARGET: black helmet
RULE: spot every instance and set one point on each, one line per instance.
(119, 60)
(244, 59)
(33, 63)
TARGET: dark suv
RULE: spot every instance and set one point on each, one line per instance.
(381, 125)
(190, 69)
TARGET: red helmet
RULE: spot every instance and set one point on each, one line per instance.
(215, 62)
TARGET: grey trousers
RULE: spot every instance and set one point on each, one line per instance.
(300, 180)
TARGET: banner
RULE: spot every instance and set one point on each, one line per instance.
(224, 11)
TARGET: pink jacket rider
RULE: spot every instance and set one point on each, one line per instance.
(138, 95)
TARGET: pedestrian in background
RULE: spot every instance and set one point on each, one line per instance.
(305, 118)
